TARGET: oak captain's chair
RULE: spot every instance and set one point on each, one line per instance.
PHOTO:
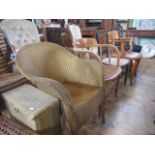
(126, 53)
(77, 83)
(111, 72)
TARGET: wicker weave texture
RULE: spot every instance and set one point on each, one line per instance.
(50, 67)
(33, 107)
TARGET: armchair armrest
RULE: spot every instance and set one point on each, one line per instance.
(11, 62)
(113, 51)
(96, 76)
(52, 87)
(56, 89)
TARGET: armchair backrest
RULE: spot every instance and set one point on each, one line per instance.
(53, 61)
(113, 35)
(20, 32)
(85, 42)
(75, 33)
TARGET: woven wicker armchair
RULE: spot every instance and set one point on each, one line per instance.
(79, 84)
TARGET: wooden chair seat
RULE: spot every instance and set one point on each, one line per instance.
(123, 62)
(111, 72)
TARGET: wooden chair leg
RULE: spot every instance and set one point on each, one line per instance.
(117, 87)
(126, 74)
(131, 72)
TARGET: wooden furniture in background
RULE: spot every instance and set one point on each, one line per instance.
(98, 52)
(141, 33)
(89, 28)
(54, 35)
(111, 72)
(8, 79)
(126, 53)
(108, 24)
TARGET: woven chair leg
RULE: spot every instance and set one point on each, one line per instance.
(65, 123)
(103, 115)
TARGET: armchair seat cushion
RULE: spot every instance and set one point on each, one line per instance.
(85, 99)
(111, 72)
(80, 92)
(133, 55)
(122, 62)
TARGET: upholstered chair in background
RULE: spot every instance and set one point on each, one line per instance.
(75, 33)
(20, 32)
(77, 83)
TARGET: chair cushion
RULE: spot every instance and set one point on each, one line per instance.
(122, 62)
(133, 55)
(75, 32)
(79, 92)
(86, 99)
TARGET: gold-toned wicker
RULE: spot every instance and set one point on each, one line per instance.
(111, 73)
(58, 72)
(36, 109)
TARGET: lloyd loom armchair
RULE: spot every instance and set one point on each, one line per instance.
(79, 84)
